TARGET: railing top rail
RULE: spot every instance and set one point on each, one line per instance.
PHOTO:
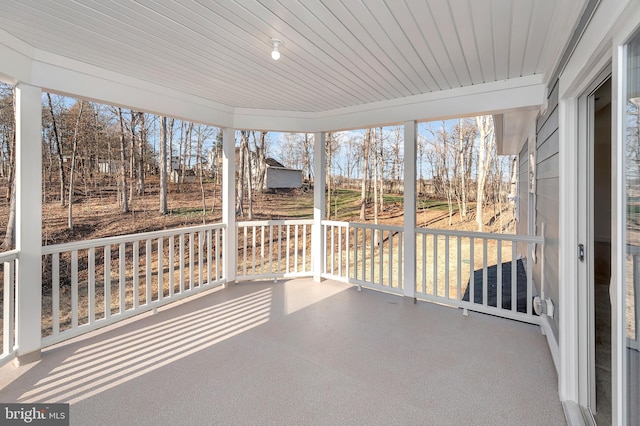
(99, 242)
(8, 256)
(363, 225)
(275, 222)
(538, 239)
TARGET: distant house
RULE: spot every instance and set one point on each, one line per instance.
(177, 177)
(278, 176)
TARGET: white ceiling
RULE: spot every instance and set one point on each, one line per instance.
(336, 53)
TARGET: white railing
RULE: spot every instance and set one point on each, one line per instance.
(363, 254)
(98, 282)
(7, 298)
(274, 249)
(477, 271)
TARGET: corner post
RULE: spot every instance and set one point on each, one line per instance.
(319, 187)
(409, 270)
(229, 204)
(28, 226)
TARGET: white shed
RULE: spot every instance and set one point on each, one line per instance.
(279, 177)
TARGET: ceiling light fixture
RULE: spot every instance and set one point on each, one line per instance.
(275, 54)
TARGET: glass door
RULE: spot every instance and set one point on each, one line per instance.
(631, 279)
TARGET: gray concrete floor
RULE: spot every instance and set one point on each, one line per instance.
(298, 352)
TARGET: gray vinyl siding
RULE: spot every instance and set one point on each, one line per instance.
(522, 227)
(547, 198)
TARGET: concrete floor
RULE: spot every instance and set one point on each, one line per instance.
(298, 352)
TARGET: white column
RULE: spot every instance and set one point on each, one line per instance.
(28, 228)
(319, 187)
(409, 248)
(229, 204)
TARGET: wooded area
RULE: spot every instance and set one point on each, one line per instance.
(90, 148)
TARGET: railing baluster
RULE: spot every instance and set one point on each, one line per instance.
(424, 263)
(435, 264)
(332, 251)
(192, 281)
(91, 283)
(355, 252)
(304, 248)
(340, 250)
(446, 266)
(253, 250)
(136, 278)
(530, 280)
(209, 256)
(348, 247)
(217, 248)
(270, 249)
(381, 256)
(122, 276)
(485, 283)
(160, 268)
(8, 307)
(390, 259)
(181, 263)
(287, 249)
(472, 268)
(400, 281)
(172, 265)
(74, 289)
(262, 249)
(499, 276)
(148, 264)
(514, 280)
(372, 256)
(107, 281)
(295, 253)
(244, 252)
(55, 294)
(459, 268)
(278, 268)
(200, 258)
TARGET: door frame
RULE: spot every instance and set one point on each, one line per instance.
(585, 233)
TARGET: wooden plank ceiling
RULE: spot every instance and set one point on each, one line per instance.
(336, 53)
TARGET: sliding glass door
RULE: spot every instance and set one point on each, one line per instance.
(631, 280)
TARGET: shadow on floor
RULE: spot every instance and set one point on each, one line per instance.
(492, 287)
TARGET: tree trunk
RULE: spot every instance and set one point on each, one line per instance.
(486, 136)
(56, 136)
(365, 164)
(163, 165)
(142, 141)
(123, 166)
(72, 173)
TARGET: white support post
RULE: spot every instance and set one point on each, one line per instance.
(28, 226)
(319, 186)
(409, 270)
(229, 204)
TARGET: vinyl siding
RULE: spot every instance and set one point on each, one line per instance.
(547, 198)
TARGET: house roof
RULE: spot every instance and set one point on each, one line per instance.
(272, 162)
(344, 63)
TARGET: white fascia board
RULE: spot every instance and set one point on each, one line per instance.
(595, 40)
(489, 98)
(16, 56)
(69, 77)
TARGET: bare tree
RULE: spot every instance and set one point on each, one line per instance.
(124, 202)
(72, 172)
(8, 129)
(485, 151)
(365, 164)
(163, 165)
(58, 141)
